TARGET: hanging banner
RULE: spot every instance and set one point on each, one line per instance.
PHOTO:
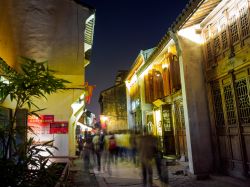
(59, 127)
(88, 92)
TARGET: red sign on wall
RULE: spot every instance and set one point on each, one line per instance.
(41, 120)
(59, 127)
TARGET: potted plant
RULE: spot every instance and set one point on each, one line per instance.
(21, 162)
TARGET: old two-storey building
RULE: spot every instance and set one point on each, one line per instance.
(226, 39)
(196, 87)
(58, 32)
(154, 98)
(135, 107)
(113, 106)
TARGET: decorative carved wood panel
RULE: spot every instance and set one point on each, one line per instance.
(231, 105)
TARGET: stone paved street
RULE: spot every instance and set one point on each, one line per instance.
(125, 174)
(80, 178)
(122, 174)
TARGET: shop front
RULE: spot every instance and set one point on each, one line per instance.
(169, 126)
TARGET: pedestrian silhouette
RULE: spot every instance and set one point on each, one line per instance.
(147, 149)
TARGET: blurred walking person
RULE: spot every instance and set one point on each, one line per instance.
(97, 149)
(147, 149)
(112, 147)
(80, 146)
(133, 144)
(87, 150)
(105, 153)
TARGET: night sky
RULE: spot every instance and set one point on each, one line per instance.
(122, 29)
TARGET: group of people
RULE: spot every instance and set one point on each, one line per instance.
(99, 149)
(105, 149)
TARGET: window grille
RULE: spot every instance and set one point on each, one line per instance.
(224, 39)
(209, 51)
(243, 100)
(224, 36)
(244, 21)
(217, 45)
(217, 101)
(229, 102)
(208, 48)
(234, 29)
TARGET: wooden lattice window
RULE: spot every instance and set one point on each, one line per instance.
(229, 102)
(234, 29)
(209, 52)
(224, 40)
(217, 45)
(208, 47)
(216, 40)
(244, 22)
(217, 101)
(243, 100)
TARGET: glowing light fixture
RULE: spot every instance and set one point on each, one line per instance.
(164, 66)
(103, 119)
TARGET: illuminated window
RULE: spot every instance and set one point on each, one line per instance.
(244, 21)
(234, 29)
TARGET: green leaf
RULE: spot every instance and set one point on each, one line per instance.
(49, 152)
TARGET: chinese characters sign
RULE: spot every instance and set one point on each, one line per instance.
(41, 124)
(41, 120)
(59, 127)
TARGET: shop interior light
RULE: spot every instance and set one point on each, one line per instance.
(103, 118)
(164, 66)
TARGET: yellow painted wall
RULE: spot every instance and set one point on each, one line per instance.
(7, 49)
(51, 31)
